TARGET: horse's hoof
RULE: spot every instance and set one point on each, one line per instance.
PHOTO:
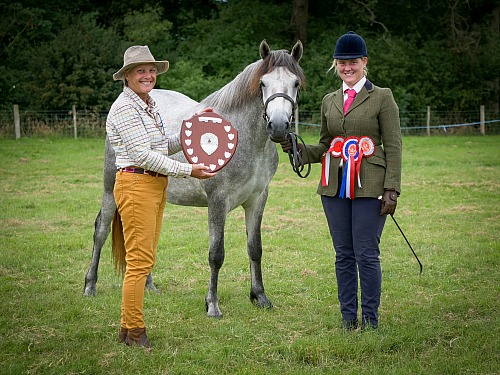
(89, 291)
(261, 301)
(151, 287)
(213, 311)
(214, 314)
(266, 305)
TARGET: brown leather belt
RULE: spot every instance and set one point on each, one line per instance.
(142, 171)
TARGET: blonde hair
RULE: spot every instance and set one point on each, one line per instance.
(125, 72)
(335, 68)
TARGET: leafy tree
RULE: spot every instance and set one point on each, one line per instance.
(20, 29)
(440, 53)
(299, 19)
(213, 51)
(188, 78)
(229, 41)
(429, 53)
(147, 27)
(76, 68)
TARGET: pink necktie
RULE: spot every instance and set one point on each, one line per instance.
(351, 94)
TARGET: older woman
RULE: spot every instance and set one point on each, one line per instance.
(135, 130)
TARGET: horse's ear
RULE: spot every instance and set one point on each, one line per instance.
(264, 49)
(297, 51)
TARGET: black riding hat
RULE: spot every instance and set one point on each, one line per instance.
(350, 46)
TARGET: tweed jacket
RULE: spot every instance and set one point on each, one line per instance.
(374, 113)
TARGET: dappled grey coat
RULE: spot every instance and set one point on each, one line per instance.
(374, 113)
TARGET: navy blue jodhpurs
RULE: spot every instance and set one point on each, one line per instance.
(356, 227)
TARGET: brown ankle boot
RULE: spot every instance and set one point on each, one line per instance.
(138, 337)
(122, 336)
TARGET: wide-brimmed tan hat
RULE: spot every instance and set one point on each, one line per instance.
(137, 55)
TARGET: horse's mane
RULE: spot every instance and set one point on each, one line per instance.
(246, 86)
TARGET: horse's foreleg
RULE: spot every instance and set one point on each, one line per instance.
(216, 222)
(253, 220)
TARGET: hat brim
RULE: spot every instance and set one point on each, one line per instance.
(161, 67)
(348, 57)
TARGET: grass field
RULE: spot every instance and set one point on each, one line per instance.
(444, 322)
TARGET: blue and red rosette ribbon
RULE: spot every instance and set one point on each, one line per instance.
(352, 150)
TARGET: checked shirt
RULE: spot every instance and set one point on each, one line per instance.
(135, 130)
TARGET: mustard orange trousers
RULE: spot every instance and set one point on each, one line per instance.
(140, 200)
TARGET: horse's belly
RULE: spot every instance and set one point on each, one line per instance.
(186, 192)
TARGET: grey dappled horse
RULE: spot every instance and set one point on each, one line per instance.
(266, 88)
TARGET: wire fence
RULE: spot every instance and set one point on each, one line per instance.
(89, 124)
(428, 122)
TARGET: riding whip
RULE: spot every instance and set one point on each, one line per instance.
(408, 242)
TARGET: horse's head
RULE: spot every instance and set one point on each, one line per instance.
(280, 83)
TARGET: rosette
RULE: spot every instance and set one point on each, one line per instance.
(350, 154)
(352, 150)
(335, 150)
(366, 149)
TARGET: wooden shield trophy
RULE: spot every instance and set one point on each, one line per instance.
(209, 139)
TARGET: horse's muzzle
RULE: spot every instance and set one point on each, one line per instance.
(278, 130)
(277, 139)
(278, 136)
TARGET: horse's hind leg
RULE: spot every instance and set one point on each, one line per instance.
(101, 231)
(149, 283)
(103, 221)
(253, 220)
(102, 227)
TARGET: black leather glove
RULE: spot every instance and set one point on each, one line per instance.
(389, 202)
(286, 145)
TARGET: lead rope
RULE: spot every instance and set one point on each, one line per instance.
(295, 157)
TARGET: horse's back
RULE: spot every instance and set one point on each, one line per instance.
(175, 107)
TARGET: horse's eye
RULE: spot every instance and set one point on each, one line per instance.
(297, 83)
(262, 84)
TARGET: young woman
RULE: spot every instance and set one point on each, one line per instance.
(360, 151)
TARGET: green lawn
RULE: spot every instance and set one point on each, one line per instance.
(444, 322)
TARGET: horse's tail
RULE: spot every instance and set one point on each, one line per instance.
(118, 244)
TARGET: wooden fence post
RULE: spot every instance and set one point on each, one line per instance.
(74, 121)
(428, 120)
(17, 122)
(481, 120)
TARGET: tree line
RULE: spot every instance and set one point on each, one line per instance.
(57, 53)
